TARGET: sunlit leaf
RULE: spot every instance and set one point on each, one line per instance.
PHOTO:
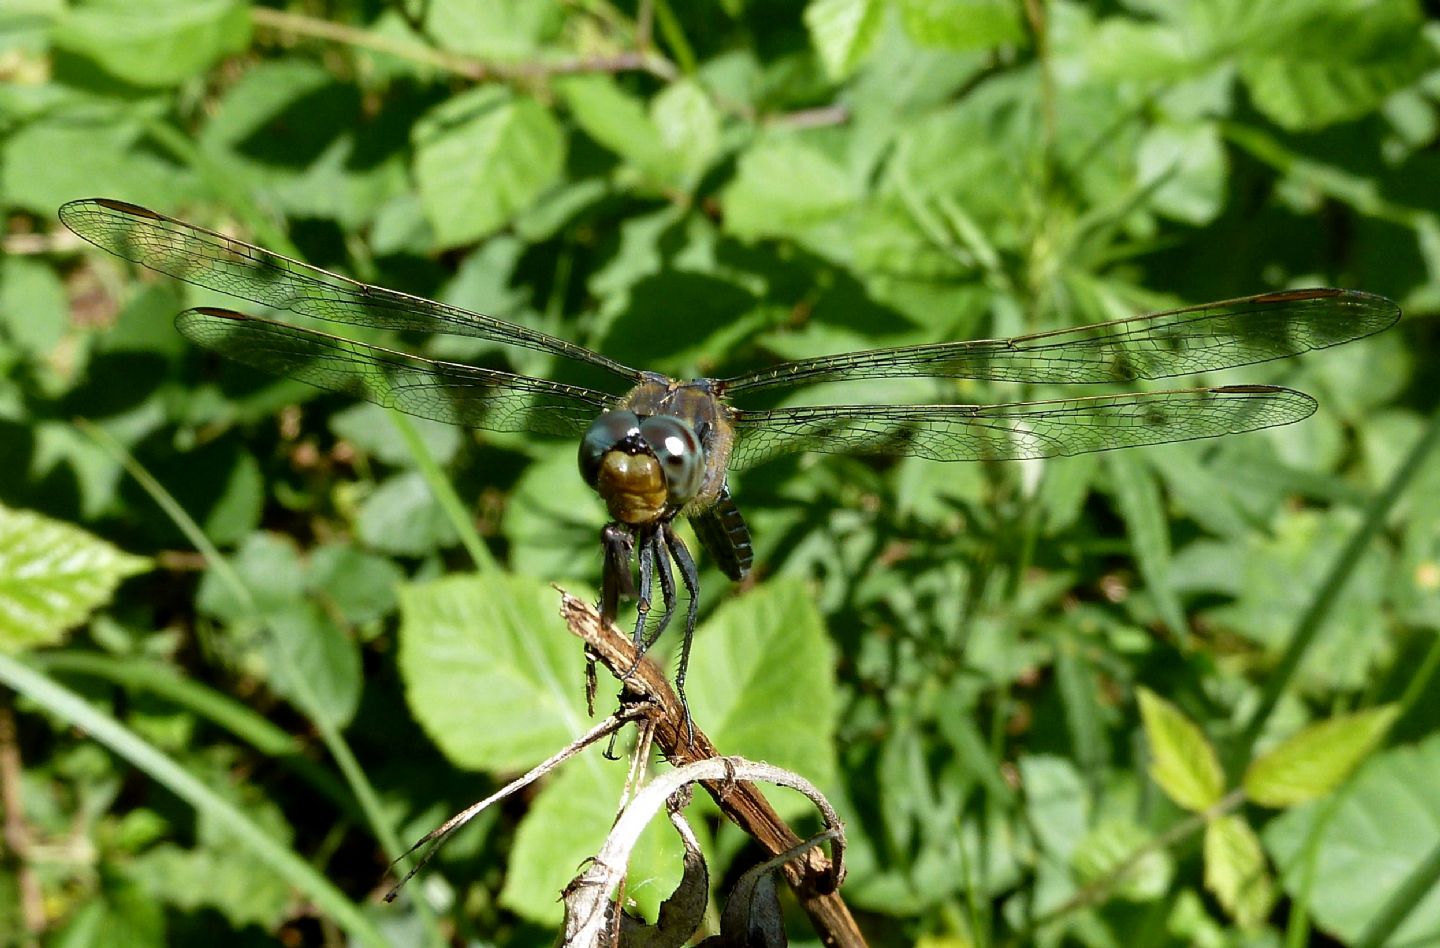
(842, 31)
(1110, 847)
(783, 187)
(1346, 858)
(1310, 764)
(1331, 62)
(1182, 761)
(52, 575)
(762, 680)
(155, 42)
(1235, 870)
(490, 672)
(480, 158)
(566, 823)
(962, 24)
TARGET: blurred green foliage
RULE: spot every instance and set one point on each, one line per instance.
(959, 654)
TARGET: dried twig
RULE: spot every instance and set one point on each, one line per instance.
(589, 898)
(813, 877)
(476, 70)
(439, 834)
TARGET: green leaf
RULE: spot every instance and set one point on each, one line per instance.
(1111, 844)
(313, 663)
(566, 824)
(762, 680)
(121, 913)
(1277, 575)
(689, 126)
(481, 157)
(238, 501)
(217, 812)
(499, 29)
(101, 157)
(34, 313)
(618, 121)
(1345, 857)
(52, 575)
(552, 518)
(783, 187)
(1328, 62)
(1121, 48)
(269, 565)
(1235, 870)
(490, 671)
(244, 890)
(403, 517)
(842, 31)
(368, 427)
(962, 24)
(1188, 169)
(1313, 762)
(361, 586)
(1057, 805)
(155, 42)
(1182, 762)
(1138, 497)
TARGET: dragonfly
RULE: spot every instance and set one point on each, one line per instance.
(655, 447)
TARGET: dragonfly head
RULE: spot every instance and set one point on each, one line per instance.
(645, 469)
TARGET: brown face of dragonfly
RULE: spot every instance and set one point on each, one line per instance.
(644, 469)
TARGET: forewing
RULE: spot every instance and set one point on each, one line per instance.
(231, 266)
(444, 391)
(1161, 345)
(1019, 430)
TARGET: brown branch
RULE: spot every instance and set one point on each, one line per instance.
(16, 832)
(813, 877)
(476, 70)
(819, 117)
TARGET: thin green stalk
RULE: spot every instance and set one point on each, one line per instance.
(1398, 907)
(334, 741)
(1420, 681)
(205, 702)
(232, 195)
(102, 727)
(674, 36)
(444, 492)
(1333, 585)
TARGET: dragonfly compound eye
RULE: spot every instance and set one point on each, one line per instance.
(681, 458)
(605, 434)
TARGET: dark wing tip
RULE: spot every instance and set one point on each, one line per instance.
(1382, 311)
(126, 207)
(215, 311)
(69, 208)
(1250, 389)
(1307, 293)
(1297, 406)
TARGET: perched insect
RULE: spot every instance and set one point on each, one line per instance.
(663, 447)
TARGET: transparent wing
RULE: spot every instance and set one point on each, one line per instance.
(1020, 430)
(444, 391)
(231, 266)
(1161, 345)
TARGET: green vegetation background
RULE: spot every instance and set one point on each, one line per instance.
(301, 674)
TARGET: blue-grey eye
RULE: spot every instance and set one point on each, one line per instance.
(601, 437)
(681, 458)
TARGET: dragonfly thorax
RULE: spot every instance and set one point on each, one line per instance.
(645, 469)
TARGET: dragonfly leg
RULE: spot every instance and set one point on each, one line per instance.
(648, 545)
(691, 577)
(661, 564)
(618, 578)
(667, 594)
